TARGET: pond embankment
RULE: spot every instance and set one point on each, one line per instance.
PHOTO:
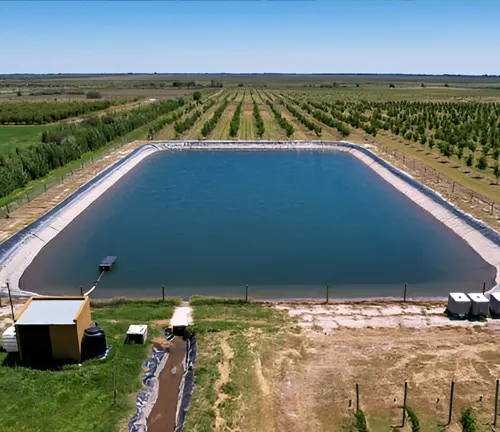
(19, 251)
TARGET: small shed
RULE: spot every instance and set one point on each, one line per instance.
(50, 329)
(480, 305)
(458, 304)
(495, 304)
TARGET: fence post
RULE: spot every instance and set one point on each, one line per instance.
(406, 287)
(246, 293)
(81, 291)
(452, 187)
(7, 208)
(452, 390)
(357, 397)
(492, 204)
(27, 196)
(327, 292)
(10, 301)
(496, 404)
(114, 389)
(404, 404)
(163, 292)
(45, 186)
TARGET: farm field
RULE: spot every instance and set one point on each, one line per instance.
(449, 124)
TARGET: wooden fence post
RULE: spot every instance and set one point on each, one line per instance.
(404, 404)
(452, 390)
(496, 404)
(484, 287)
(357, 397)
(406, 287)
(114, 389)
(163, 292)
(246, 293)
(81, 291)
(327, 292)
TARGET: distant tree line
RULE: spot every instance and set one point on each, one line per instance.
(69, 142)
(29, 113)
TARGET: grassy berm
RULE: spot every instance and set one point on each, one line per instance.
(80, 398)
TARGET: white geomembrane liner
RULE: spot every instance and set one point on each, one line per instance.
(22, 254)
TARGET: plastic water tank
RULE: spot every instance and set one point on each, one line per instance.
(93, 343)
(9, 340)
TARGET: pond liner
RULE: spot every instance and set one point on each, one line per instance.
(20, 245)
(187, 384)
(146, 398)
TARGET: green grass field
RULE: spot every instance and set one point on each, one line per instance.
(19, 136)
(80, 398)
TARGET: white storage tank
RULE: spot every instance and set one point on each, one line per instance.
(495, 304)
(458, 304)
(480, 305)
(9, 340)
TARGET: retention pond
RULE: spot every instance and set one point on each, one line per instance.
(285, 223)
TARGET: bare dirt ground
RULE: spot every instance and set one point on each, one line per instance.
(380, 346)
(153, 92)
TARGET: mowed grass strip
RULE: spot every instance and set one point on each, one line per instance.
(80, 398)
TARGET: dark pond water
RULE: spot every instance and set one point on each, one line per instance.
(286, 223)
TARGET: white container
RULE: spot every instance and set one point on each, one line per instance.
(458, 304)
(495, 303)
(137, 334)
(9, 340)
(480, 305)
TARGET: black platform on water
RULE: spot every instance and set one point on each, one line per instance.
(107, 263)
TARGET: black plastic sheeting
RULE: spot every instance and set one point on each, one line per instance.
(9, 246)
(138, 423)
(188, 379)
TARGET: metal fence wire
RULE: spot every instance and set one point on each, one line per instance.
(30, 193)
(443, 184)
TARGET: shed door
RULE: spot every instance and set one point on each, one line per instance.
(35, 343)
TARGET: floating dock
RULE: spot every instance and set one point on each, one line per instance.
(107, 263)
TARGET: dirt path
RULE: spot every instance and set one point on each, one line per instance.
(163, 415)
(36, 208)
(224, 379)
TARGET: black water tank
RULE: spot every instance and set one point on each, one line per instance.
(93, 343)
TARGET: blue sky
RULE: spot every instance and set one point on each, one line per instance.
(251, 36)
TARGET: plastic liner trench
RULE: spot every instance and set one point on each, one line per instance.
(146, 398)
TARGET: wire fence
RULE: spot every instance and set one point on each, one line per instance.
(63, 175)
(443, 184)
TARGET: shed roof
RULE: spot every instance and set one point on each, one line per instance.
(50, 311)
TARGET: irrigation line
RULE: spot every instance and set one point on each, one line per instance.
(95, 285)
